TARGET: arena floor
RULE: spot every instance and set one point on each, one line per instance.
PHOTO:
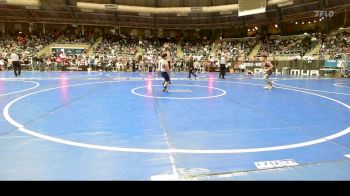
(121, 126)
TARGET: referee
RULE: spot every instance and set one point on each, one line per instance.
(222, 61)
(15, 64)
(191, 68)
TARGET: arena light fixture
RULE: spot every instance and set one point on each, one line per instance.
(111, 6)
(276, 25)
(29, 4)
(250, 7)
(163, 10)
(303, 23)
(196, 9)
(288, 3)
(296, 23)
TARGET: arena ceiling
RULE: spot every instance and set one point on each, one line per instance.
(67, 12)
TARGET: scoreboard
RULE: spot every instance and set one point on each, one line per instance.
(250, 7)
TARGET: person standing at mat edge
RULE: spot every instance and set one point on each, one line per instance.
(191, 68)
(164, 71)
(15, 63)
(222, 62)
(268, 69)
(168, 58)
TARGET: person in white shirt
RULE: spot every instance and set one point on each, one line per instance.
(16, 64)
(222, 60)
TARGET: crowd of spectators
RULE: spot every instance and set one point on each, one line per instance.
(120, 52)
